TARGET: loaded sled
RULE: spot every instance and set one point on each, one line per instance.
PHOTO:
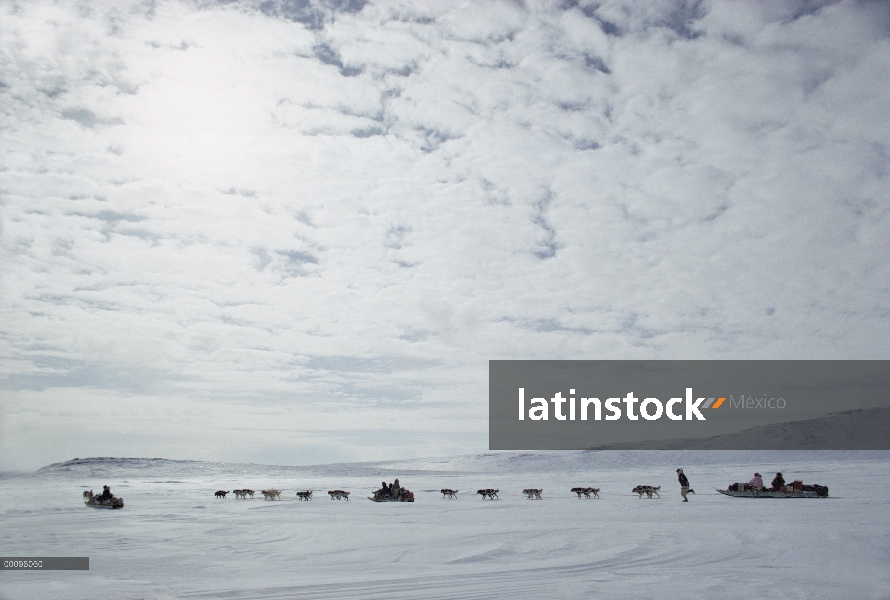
(404, 496)
(796, 490)
(90, 500)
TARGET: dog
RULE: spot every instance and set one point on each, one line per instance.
(307, 495)
(245, 493)
(271, 494)
(338, 495)
(238, 493)
(448, 493)
(647, 489)
(221, 494)
(532, 493)
(88, 495)
(586, 491)
(488, 493)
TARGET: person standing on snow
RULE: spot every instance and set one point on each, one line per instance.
(684, 485)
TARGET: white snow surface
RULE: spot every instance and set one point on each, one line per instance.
(173, 539)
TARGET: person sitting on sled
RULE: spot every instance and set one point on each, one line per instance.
(756, 482)
(105, 495)
(778, 482)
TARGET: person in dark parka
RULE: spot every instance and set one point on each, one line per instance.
(105, 495)
(684, 485)
(778, 481)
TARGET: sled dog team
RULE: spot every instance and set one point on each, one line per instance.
(487, 493)
(238, 493)
(491, 493)
(241, 494)
(276, 494)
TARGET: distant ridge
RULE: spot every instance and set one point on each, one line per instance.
(110, 460)
(861, 432)
(860, 429)
(103, 466)
(88, 470)
(100, 464)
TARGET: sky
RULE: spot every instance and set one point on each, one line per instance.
(296, 231)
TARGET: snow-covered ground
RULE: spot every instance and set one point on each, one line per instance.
(175, 540)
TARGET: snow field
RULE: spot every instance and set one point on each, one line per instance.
(173, 539)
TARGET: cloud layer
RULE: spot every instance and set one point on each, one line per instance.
(325, 218)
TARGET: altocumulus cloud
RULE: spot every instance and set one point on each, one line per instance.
(288, 231)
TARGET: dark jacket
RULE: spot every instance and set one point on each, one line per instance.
(682, 479)
(778, 482)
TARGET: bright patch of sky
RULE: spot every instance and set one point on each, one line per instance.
(296, 231)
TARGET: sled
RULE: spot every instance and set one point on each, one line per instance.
(770, 494)
(409, 497)
(113, 503)
(372, 499)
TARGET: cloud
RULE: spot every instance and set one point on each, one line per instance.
(241, 203)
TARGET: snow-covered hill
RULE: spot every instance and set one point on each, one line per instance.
(557, 461)
(862, 429)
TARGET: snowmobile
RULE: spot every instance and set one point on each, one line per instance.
(381, 496)
(90, 500)
(798, 490)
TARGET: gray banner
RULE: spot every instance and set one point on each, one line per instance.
(688, 405)
(45, 563)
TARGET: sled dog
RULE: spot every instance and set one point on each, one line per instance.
(307, 495)
(245, 493)
(271, 494)
(221, 494)
(448, 493)
(238, 493)
(532, 493)
(647, 489)
(338, 495)
(586, 491)
(488, 493)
